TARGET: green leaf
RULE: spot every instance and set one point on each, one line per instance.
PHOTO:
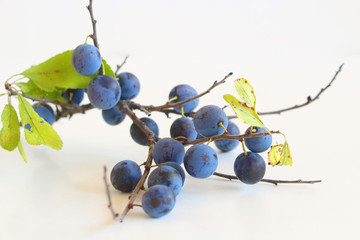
(108, 70)
(2, 94)
(58, 72)
(40, 131)
(280, 155)
(245, 113)
(245, 91)
(21, 151)
(10, 132)
(32, 90)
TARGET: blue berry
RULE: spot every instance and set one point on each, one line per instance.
(86, 59)
(207, 120)
(168, 150)
(44, 111)
(183, 127)
(227, 145)
(138, 135)
(184, 92)
(249, 168)
(158, 201)
(113, 116)
(178, 168)
(258, 144)
(104, 92)
(200, 161)
(168, 176)
(130, 85)
(125, 175)
(75, 96)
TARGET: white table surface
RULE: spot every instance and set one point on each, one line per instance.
(288, 50)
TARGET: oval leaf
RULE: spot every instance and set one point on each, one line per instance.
(58, 72)
(246, 114)
(10, 132)
(40, 131)
(245, 91)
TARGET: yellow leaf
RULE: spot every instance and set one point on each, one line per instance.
(245, 91)
(245, 113)
(280, 155)
(40, 131)
(10, 131)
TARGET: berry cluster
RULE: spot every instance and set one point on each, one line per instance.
(200, 160)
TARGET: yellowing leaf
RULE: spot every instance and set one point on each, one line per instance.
(10, 132)
(58, 72)
(280, 155)
(245, 91)
(40, 131)
(245, 113)
(22, 152)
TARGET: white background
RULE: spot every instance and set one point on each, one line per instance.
(288, 50)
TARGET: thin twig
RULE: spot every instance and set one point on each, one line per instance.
(151, 136)
(93, 22)
(118, 67)
(110, 205)
(139, 186)
(94, 34)
(276, 182)
(308, 100)
(229, 136)
(179, 104)
(273, 181)
(68, 109)
(151, 139)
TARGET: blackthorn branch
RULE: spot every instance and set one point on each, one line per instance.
(128, 107)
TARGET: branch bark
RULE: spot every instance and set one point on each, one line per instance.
(179, 104)
(94, 34)
(93, 22)
(228, 136)
(273, 181)
(308, 100)
(118, 67)
(110, 205)
(151, 139)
